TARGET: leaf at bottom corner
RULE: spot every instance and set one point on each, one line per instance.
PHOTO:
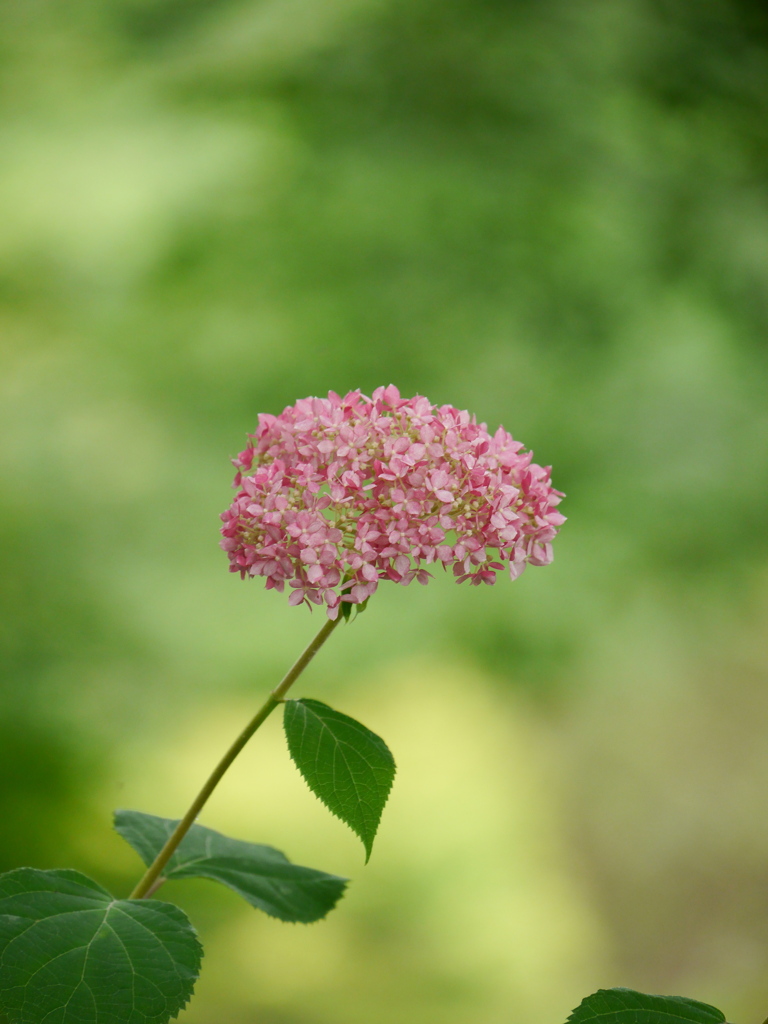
(70, 952)
(623, 1006)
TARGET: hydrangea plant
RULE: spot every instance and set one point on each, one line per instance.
(337, 494)
(333, 497)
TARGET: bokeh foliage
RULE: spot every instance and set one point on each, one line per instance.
(554, 214)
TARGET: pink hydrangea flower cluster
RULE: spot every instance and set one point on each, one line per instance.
(336, 494)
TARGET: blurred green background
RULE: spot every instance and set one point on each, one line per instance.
(554, 214)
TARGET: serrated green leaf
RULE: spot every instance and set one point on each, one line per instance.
(623, 1006)
(71, 953)
(346, 765)
(260, 874)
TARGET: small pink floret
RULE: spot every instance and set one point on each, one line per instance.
(336, 494)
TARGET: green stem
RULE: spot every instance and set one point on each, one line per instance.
(150, 881)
